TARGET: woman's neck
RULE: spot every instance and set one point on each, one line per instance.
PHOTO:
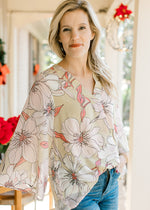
(77, 67)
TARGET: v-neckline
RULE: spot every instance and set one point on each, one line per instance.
(77, 82)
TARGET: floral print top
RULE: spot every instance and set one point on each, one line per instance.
(64, 133)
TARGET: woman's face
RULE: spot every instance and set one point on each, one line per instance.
(75, 33)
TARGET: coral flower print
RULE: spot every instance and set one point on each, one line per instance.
(83, 138)
(24, 142)
(66, 82)
(74, 179)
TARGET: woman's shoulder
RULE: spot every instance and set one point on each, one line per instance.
(53, 70)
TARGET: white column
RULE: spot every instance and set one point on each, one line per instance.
(3, 36)
(13, 62)
(139, 161)
(19, 65)
(114, 60)
(22, 69)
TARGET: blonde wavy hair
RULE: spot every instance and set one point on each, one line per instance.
(94, 62)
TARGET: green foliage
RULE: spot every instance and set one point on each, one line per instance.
(50, 57)
(2, 53)
(3, 148)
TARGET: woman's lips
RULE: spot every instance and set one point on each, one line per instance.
(75, 45)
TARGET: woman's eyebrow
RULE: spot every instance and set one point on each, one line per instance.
(63, 26)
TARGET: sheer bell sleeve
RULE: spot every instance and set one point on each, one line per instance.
(26, 161)
(119, 132)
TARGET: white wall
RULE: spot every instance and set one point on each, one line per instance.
(3, 36)
(23, 68)
(18, 55)
(114, 60)
(32, 5)
(48, 5)
(139, 162)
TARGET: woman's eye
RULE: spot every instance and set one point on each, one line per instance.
(82, 28)
(66, 29)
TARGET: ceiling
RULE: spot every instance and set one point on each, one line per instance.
(40, 28)
(49, 5)
(43, 10)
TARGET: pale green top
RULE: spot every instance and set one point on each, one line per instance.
(64, 133)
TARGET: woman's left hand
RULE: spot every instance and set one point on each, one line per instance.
(123, 161)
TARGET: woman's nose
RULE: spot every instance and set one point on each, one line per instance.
(74, 34)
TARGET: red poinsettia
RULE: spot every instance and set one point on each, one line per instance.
(3, 71)
(122, 12)
(13, 121)
(7, 129)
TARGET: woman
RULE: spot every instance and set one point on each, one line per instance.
(70, 129)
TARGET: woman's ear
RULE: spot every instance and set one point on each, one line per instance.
(59, 39)
(92, 35)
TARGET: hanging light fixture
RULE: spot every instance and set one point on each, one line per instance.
(119, 32)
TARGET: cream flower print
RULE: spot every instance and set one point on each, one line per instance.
(54, 83)
(38, 91)
(109, 151)
(24, 143)
(74, 177)
(54, 166)
(103, 105)
(84, 139)
(119, 133)
(118, 125)
(16, 179)
(71, 143)
(43, 173)
(63, 205)
(59, 86)
(45, 116)
(46, 85)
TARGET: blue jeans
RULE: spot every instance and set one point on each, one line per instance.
(104, 194)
